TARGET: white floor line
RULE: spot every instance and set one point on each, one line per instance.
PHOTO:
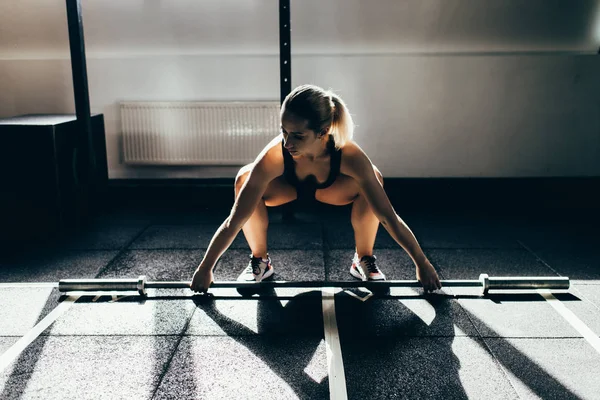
(363, 299)
(575, 322)
(117, 298)
(16, 349)
(335, 364)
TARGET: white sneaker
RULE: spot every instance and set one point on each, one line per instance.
(366, 269)
(257, 270)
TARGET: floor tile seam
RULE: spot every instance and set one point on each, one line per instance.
(538, 258)
(167, 365)
(300, 336)
(464, 311)
(331, 247)
(278, 335)
(556, 272)
(490, 352)
(325, 252)
(425, 247)
(75, 249)
(175, 334)
(421, 340)
(121, 251)
(396, 336)
(565, 247)
(139, 335)
(535, 337)
(149, 249)
(230, 248)
(584, 297)
(499, 365)
(504, 369)
(306, 223)
(216, 224)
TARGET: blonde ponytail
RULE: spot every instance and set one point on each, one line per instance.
(342, 126)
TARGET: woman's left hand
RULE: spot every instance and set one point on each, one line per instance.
(427, 275)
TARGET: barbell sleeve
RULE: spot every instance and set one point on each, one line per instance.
(485, 282)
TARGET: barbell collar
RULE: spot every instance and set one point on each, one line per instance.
(141, 285)
(484, 280)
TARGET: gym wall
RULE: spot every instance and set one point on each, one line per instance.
(445, 88)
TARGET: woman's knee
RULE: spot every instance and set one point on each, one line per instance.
(379, 175)
(241, 177)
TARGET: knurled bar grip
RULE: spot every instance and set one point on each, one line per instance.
(484, 282)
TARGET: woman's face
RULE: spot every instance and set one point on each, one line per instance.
(297, 138)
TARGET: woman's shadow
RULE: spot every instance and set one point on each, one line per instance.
(288, 336)
(395, 348)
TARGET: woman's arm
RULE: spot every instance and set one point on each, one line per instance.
(267, 167)
(245, 204)
(358, 165)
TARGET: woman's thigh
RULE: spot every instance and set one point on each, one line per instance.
(343, 191)
(278, 192)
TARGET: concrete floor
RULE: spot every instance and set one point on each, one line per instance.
(172, 345)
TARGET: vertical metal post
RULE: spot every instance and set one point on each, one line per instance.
(285, 72)
(81, 92)
(285, 49)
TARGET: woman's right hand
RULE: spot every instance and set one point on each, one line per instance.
(203, 278)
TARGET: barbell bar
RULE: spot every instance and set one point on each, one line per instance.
(485, 282)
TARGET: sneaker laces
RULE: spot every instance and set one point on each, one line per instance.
(254, 265)
(369, 262)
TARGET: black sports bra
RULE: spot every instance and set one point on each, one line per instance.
(289, 172)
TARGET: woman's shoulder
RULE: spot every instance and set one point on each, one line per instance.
(350, 148)
(270, 159)
(273, 149)
(353, 158)
(352, 151)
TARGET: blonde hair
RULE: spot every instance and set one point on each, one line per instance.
(321, 109)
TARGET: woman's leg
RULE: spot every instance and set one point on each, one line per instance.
(365, 224)
(364, 221)
(255, 229)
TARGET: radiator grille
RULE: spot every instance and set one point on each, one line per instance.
(196, 133)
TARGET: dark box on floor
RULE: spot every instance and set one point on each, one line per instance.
(39, 167)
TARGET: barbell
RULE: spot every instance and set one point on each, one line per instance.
(485, 282)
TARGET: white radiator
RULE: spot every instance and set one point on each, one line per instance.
(196, 133)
